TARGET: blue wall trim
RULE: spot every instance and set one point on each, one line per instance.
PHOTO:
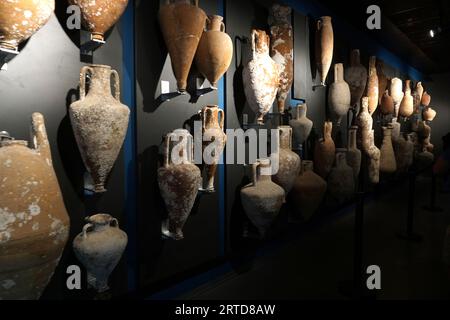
(129, 98)
(357, 37)
(222, 177)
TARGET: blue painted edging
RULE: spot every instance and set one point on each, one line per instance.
(355, 36)
(222, 177)
(129, 98)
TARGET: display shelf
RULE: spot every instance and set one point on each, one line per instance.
(6, 55)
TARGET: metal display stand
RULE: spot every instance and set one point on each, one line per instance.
(409, 234)
(356, 288)
(89, 44)
(6, 55)
(432, 207)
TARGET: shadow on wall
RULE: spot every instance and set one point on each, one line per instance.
(151, 209)
(67, 146)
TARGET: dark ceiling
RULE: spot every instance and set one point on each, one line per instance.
(405, 29)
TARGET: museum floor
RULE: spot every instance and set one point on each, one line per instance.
(313, 266)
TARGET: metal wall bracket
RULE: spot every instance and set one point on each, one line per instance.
(88, 43)
(6, 55)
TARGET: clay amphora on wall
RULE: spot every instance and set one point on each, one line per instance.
(301, 125)
(34, 225)
(341, 182)
(215, 51)
(382, 78)
(262, 199)
(388, 163)
(339, 97)
(356, 77)
(179, 180)
(407, 105)
(289, 161)
(308, 191)
(20, 19)
(372, 86)
(324, 153)
(260, 76)
(100, 122)
(100, 15)
(396, 92)
(182, 26)
(213, 119)
(282, 50)
(99, 247)
(324, 47)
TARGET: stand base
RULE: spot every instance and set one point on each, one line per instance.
(88, 44)
(412, 237)
(348, 289)
(206, 191)
(318, 86)
(6, 55)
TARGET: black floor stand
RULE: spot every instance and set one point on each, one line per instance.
(409, 234)
(356, 288)
(432, 207)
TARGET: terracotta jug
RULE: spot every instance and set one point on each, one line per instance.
(374, 155)
(215, 51)
(341, 182)
(182, 27)
(308, 191)
(387, 160)
(409, 158)
(324, 47)
(407, 105)
(429, 114)
(301, 125)
(262, 199)
(99, 122)
(324, 153)
(372, 85)
(419, 90)
(387, 104)
(417, 96)
(179, 180)
(289, 161)
(396, 127)
(99, 247)
(364, 122)
(339, 97)
(20, 19)
(282, 50)
(100, 15)
(260, 76)
(426, 99)
(214, 140)
(423, 130)
(34, 225)
(356, 77)
(404, 150)
(424, 159)
(396, 91)
(353, 153)
(382, 78)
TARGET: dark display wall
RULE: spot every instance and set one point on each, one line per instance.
(162, 262)
(45, 76)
